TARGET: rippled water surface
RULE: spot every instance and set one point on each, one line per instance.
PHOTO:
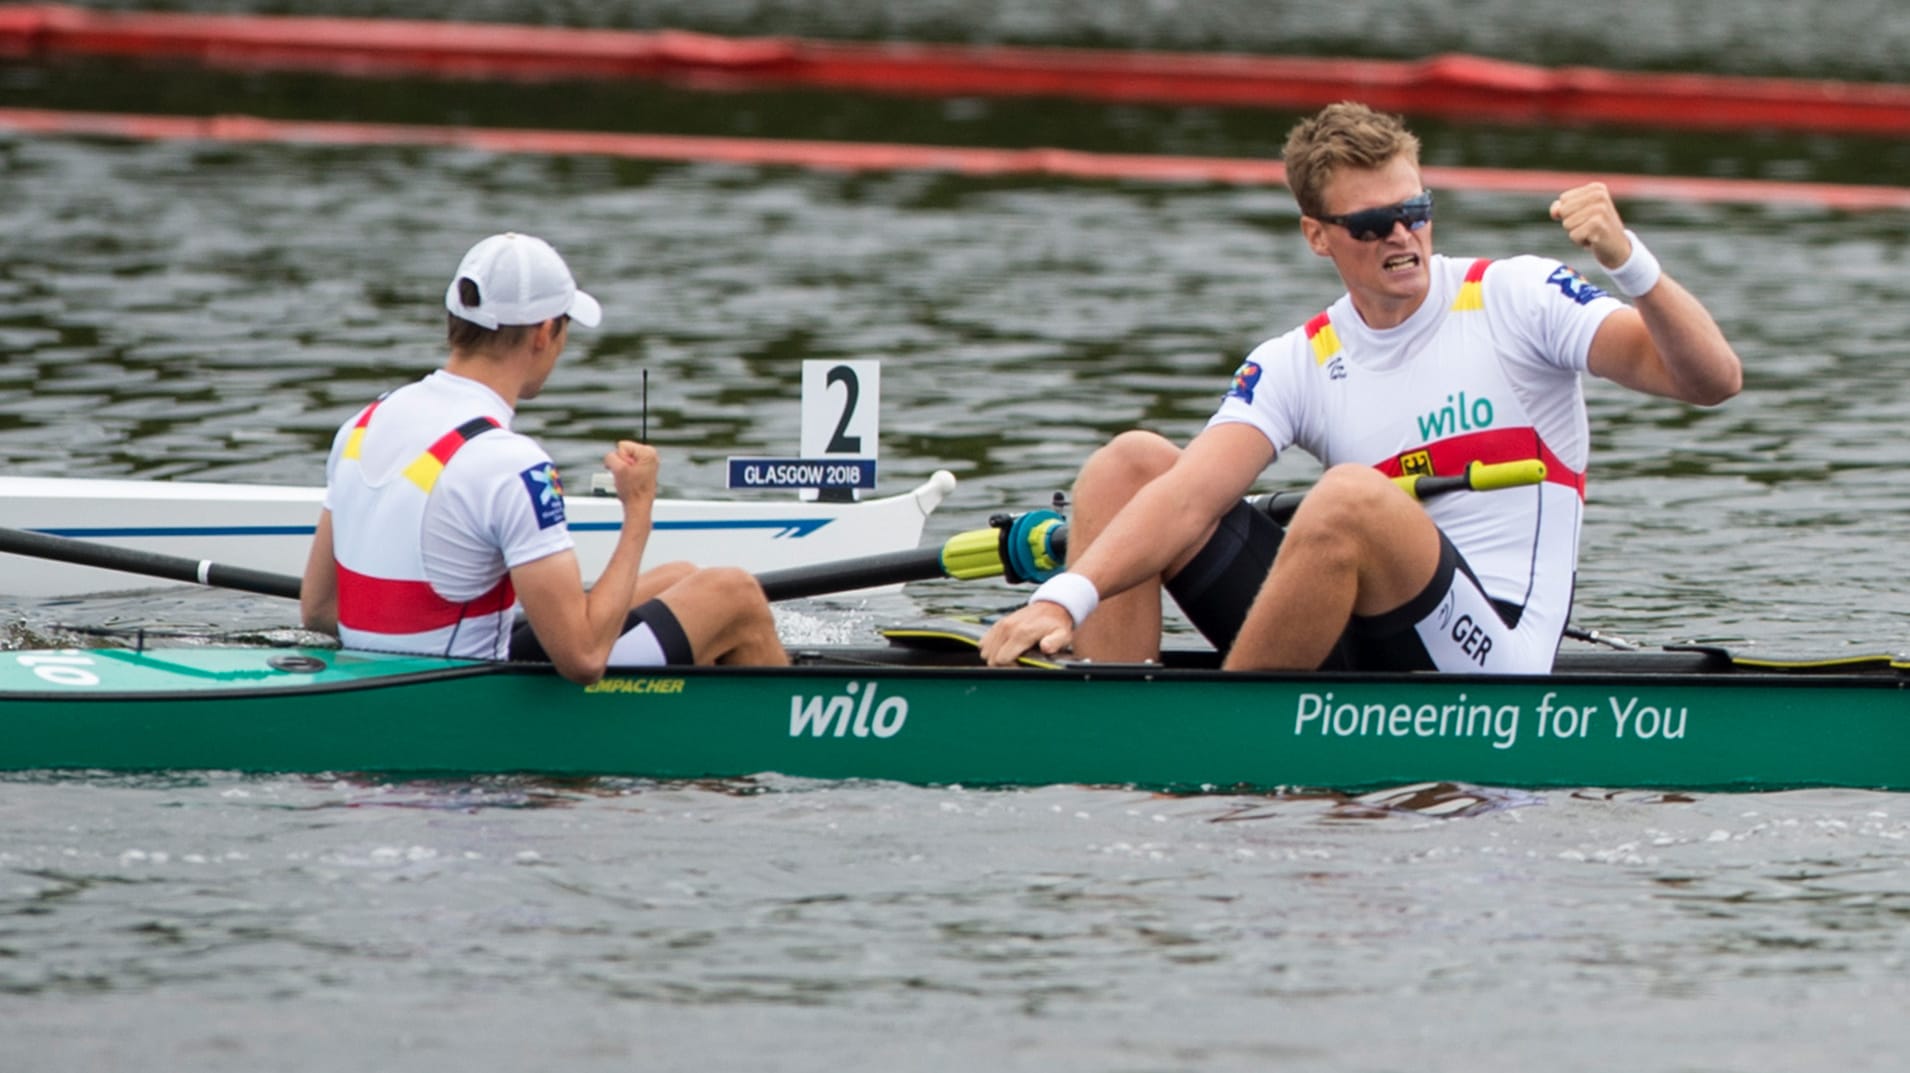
(212, 312)
(229, 923)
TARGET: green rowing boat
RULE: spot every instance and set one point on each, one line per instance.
(921, 710)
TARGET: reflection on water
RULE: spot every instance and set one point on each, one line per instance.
(1442, 799)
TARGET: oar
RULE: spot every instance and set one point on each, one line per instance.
(1039, 539)
(149, 563)
(977, 553)
(1478, 477)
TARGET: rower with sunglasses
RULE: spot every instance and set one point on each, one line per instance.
(1427, 364)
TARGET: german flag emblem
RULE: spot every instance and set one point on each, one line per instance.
(1415, 464)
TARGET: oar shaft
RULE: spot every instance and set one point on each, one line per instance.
(976, 553)
(931, 564)
(972, 554)
(874, 571)
(867, 572)
(149, 563)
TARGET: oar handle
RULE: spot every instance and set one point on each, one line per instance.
(1478, 477)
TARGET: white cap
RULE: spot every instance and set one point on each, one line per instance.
(520, 280)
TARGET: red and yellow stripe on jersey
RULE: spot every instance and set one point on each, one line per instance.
(1326, 342)
(1472, 290)
(1322, 338)
(423, 470)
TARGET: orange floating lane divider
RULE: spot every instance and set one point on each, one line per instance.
(1467, 88)
(865, 156)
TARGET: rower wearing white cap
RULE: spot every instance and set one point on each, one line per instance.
(441, 524)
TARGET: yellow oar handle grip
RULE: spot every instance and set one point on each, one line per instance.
(1486, 477)
(976, 553)
(1479, 477)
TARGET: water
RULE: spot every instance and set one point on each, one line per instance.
(227, 923)
(213, 312)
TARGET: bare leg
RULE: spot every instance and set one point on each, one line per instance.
(656, 579)
(723, 613)
(1357, 545)
(1126, 627)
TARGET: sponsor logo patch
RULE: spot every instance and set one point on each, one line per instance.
(1574, 286)
(1246, 378)
(546, 492)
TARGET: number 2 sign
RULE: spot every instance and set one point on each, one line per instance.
(841, 403)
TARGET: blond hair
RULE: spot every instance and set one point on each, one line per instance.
(1344, 135)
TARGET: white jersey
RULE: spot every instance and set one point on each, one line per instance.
(429, 517)
(1486, 369)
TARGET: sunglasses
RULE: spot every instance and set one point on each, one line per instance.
(1371, 225)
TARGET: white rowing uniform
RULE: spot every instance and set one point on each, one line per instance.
(1487, 369)
(433, 502)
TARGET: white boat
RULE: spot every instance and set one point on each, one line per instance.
(269, 527)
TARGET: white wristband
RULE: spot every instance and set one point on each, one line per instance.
(1074, 592)
(1640, 272)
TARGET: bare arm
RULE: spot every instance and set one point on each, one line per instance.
(1160, 527)
(1667, 344)
(579, 628)
(318, 591)
(1164, 521)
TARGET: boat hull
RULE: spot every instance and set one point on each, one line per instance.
(1668, 720)
(269, 527)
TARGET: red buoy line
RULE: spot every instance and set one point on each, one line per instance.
(869, 156)
(1468, 88)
